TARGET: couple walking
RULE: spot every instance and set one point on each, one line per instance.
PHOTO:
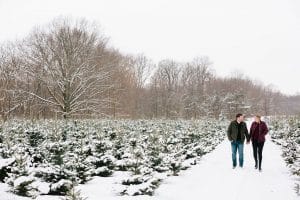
(237, 134)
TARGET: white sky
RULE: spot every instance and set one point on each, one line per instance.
(261, 38)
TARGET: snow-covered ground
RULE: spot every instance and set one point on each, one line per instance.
(212, 179)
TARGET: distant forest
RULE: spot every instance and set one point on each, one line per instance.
(68, 69)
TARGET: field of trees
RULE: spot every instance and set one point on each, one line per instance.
(50, 157)
(68, 68)
(285, 131)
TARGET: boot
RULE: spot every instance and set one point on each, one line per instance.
(259, 168)
(255, 164)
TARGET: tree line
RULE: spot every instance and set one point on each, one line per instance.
(68, 69)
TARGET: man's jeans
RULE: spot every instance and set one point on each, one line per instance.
(237, 146)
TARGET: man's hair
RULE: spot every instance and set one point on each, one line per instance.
(258, 116)
(238, 115)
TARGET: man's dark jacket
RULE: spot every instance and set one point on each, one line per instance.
(232, 131)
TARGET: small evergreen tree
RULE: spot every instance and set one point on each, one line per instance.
(74, 195)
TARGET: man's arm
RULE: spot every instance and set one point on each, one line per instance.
(229, 132)
(251, 130)
(247, 133)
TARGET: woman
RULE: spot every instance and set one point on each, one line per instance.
(258, 131)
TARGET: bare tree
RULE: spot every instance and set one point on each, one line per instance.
(10, 99)
(195, 80)
(142, 69)
(166, 80)
(63, 59)
(268, 100)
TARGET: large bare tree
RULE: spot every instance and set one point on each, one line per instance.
(63, 59)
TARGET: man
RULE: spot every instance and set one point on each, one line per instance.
(258, 131)
(237, 133)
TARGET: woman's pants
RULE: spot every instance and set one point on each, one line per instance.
(257, 151)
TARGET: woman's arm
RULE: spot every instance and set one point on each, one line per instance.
(266, 130)
(251, 130)
(247, 133)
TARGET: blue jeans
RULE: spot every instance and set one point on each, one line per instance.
(237, 146)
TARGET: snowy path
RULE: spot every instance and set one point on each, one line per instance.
(213, 178)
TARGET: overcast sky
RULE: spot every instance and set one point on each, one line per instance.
(260, 38)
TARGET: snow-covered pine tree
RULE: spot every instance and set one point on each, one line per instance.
(74, 194)
(22, 186)
(175, 167)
